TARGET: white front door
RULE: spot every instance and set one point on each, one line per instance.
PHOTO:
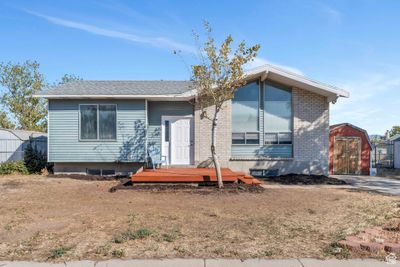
(177, 144)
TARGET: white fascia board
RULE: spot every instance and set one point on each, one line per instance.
(295, 80)
(148, 97)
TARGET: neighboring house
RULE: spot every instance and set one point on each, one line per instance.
(349, 150)
(396, 150)
(279, 120)
(386, 152)
(13, 143)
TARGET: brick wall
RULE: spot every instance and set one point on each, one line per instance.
(203, 135)
(311, 130)
(310, 138)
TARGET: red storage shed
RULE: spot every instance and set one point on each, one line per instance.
(349, 150)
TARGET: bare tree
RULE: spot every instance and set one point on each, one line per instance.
(216, 78)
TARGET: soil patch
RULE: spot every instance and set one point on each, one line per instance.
(205, 189)
(301, 179)
(12, 185)
(83, 220)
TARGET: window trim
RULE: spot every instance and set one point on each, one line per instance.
(98, 122)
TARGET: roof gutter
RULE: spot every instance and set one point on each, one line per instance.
(182, 97)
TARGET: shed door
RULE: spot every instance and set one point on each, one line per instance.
(347, 155)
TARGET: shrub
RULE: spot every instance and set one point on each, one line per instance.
(35, 160)
(10, 167)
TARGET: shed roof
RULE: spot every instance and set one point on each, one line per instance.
(339, 125)
(395, 137)
(24, 135)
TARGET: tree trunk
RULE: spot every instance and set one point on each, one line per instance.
(213, 150)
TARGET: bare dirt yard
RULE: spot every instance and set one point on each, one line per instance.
(58, 219)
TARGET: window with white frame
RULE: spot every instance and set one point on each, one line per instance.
(98, 122)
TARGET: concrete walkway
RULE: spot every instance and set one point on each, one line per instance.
(369, 183)
(377, 184)
(207, 263)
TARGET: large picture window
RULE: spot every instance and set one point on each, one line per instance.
(245, 106)
(262, 119)
(98, 122)
(277, 114)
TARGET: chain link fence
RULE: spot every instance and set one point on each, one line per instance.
(382, 154)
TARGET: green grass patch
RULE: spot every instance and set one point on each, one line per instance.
(59, 252)
(132, 235)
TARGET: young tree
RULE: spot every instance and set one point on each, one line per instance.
(21, 82)
(5, 122)
(395, 130)
(216, 78)
(69, 78)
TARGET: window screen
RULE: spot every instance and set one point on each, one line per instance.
(107, 122)
(88, 122)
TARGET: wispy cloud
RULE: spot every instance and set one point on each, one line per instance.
(372, 103)
(332, 13)
(159, 41)
(262, 61)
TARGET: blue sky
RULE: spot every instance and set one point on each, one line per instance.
(351, 44)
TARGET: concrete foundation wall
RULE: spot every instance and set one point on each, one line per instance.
(81, 167)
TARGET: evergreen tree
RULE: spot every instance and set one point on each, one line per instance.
(35, 160)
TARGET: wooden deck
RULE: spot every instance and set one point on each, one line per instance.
(191, 175)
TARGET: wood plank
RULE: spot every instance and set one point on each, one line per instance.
(340, 160)
(353, 156)
(188, 175)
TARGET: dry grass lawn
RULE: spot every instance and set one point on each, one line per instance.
(62, 219)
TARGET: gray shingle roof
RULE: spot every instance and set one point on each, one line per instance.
(120, 88)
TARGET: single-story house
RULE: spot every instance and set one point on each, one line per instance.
(278, 120)
(14, 142)
(396, 150)
(349, 150)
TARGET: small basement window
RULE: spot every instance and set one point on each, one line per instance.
(93, 171)
(102, 172)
